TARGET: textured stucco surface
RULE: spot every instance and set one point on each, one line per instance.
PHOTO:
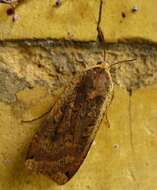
(32, 78)
(24, 65)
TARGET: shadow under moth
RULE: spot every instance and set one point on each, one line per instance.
(60, 146)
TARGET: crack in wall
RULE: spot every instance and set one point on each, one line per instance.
(131, 168)
(130, 122)
(100, 35)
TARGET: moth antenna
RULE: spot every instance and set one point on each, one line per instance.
(120, 62)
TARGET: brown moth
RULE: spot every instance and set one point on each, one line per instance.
(59, 148)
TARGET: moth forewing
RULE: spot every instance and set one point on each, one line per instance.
(61, 145)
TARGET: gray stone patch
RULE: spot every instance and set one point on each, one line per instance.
(9, 85)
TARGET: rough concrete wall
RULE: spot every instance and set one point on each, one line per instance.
(33, 75)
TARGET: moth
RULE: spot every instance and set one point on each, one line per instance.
(60, 146)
